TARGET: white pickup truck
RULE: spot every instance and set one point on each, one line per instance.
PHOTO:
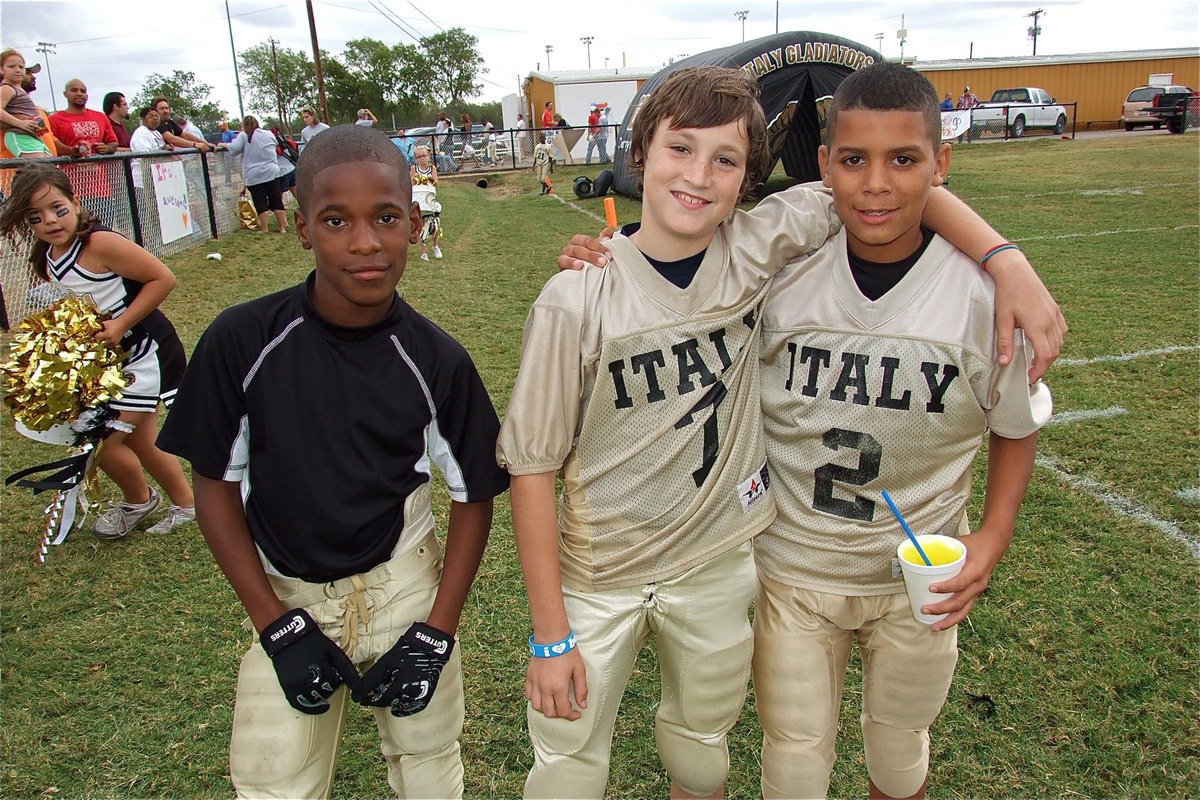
(1018, 110)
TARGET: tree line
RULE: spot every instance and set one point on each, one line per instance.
(407, 83)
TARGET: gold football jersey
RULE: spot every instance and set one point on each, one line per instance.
(645, 398)
(862, 396)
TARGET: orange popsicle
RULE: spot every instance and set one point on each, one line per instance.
(610, 212)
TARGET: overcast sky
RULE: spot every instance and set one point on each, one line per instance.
(115, 45)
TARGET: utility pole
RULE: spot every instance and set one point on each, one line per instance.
(879, 42)
(312, 30)
(549, 50)
(902, 35)
(233, 51)
(1035, 29)
(46, 48)
(587, 40)
(275, 72)
(742, 16)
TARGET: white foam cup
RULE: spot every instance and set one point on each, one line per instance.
(918, 576)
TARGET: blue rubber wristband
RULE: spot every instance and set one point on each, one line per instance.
(552, 650)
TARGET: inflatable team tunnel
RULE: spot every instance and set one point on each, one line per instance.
(797, 73)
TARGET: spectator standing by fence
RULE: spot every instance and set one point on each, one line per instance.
(83, 130)
(116, 108)
(312, 126)
(366, 118)
(405, 144)
(593, 133)
(173, 134)
(966, 101)
(19, 120)
(604, 159)
(522, 137)
(147, 138)
(260, 171)
(227, 135)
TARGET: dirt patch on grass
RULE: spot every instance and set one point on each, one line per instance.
(500, 185)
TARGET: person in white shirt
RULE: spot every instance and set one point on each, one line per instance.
(147, 137)
(312, 126)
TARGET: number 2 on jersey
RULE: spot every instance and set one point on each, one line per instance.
(870, 453)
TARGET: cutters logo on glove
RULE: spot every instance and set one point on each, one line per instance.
(296, 625)
(439, 645)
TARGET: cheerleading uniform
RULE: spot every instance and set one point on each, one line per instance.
(156, 359)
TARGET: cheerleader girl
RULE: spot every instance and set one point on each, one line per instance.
(73, 250)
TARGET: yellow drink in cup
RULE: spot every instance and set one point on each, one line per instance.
(940, 553)
(947, 556)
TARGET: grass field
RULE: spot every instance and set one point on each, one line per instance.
(119, 658)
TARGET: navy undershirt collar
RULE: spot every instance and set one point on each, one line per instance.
(681, 272)
(874, 280)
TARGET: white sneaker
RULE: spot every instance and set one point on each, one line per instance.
(424, 256)
(124, 517)
(437, 252)
(178, 515)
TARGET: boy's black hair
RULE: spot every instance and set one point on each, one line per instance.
(887, 86)
(144, 110)
(343, 144)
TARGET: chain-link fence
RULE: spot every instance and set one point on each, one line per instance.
(118, 189)
(511, 149)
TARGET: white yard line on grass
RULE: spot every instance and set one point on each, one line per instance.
(1067, 417)
(1114, 232)
(1119, 190)
(1119, 504)
(1190, 495)
(1162, 351)
(580, 209)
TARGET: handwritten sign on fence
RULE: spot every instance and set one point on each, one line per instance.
(171, 196)
(955, 123)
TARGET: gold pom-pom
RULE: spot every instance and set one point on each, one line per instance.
(57, 369)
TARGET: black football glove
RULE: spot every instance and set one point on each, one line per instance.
(405, 677)
(310, 667)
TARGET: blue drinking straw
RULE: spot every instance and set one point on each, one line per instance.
(907, 529)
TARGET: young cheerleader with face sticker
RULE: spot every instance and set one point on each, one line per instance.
(74, 250)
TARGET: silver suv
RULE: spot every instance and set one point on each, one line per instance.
(1136, 109)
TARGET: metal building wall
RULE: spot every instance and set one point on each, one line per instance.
(1099, 87)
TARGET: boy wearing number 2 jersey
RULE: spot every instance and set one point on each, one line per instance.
(880, 372)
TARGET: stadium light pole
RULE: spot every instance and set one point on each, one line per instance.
(742, 16)
(549, 50)
(46, 48)
(587, 41)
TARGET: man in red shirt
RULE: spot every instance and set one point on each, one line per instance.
(593, 134)
(85, 131)
(548, 115)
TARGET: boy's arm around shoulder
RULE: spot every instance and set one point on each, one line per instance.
(1022, 300)
(782, 227)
